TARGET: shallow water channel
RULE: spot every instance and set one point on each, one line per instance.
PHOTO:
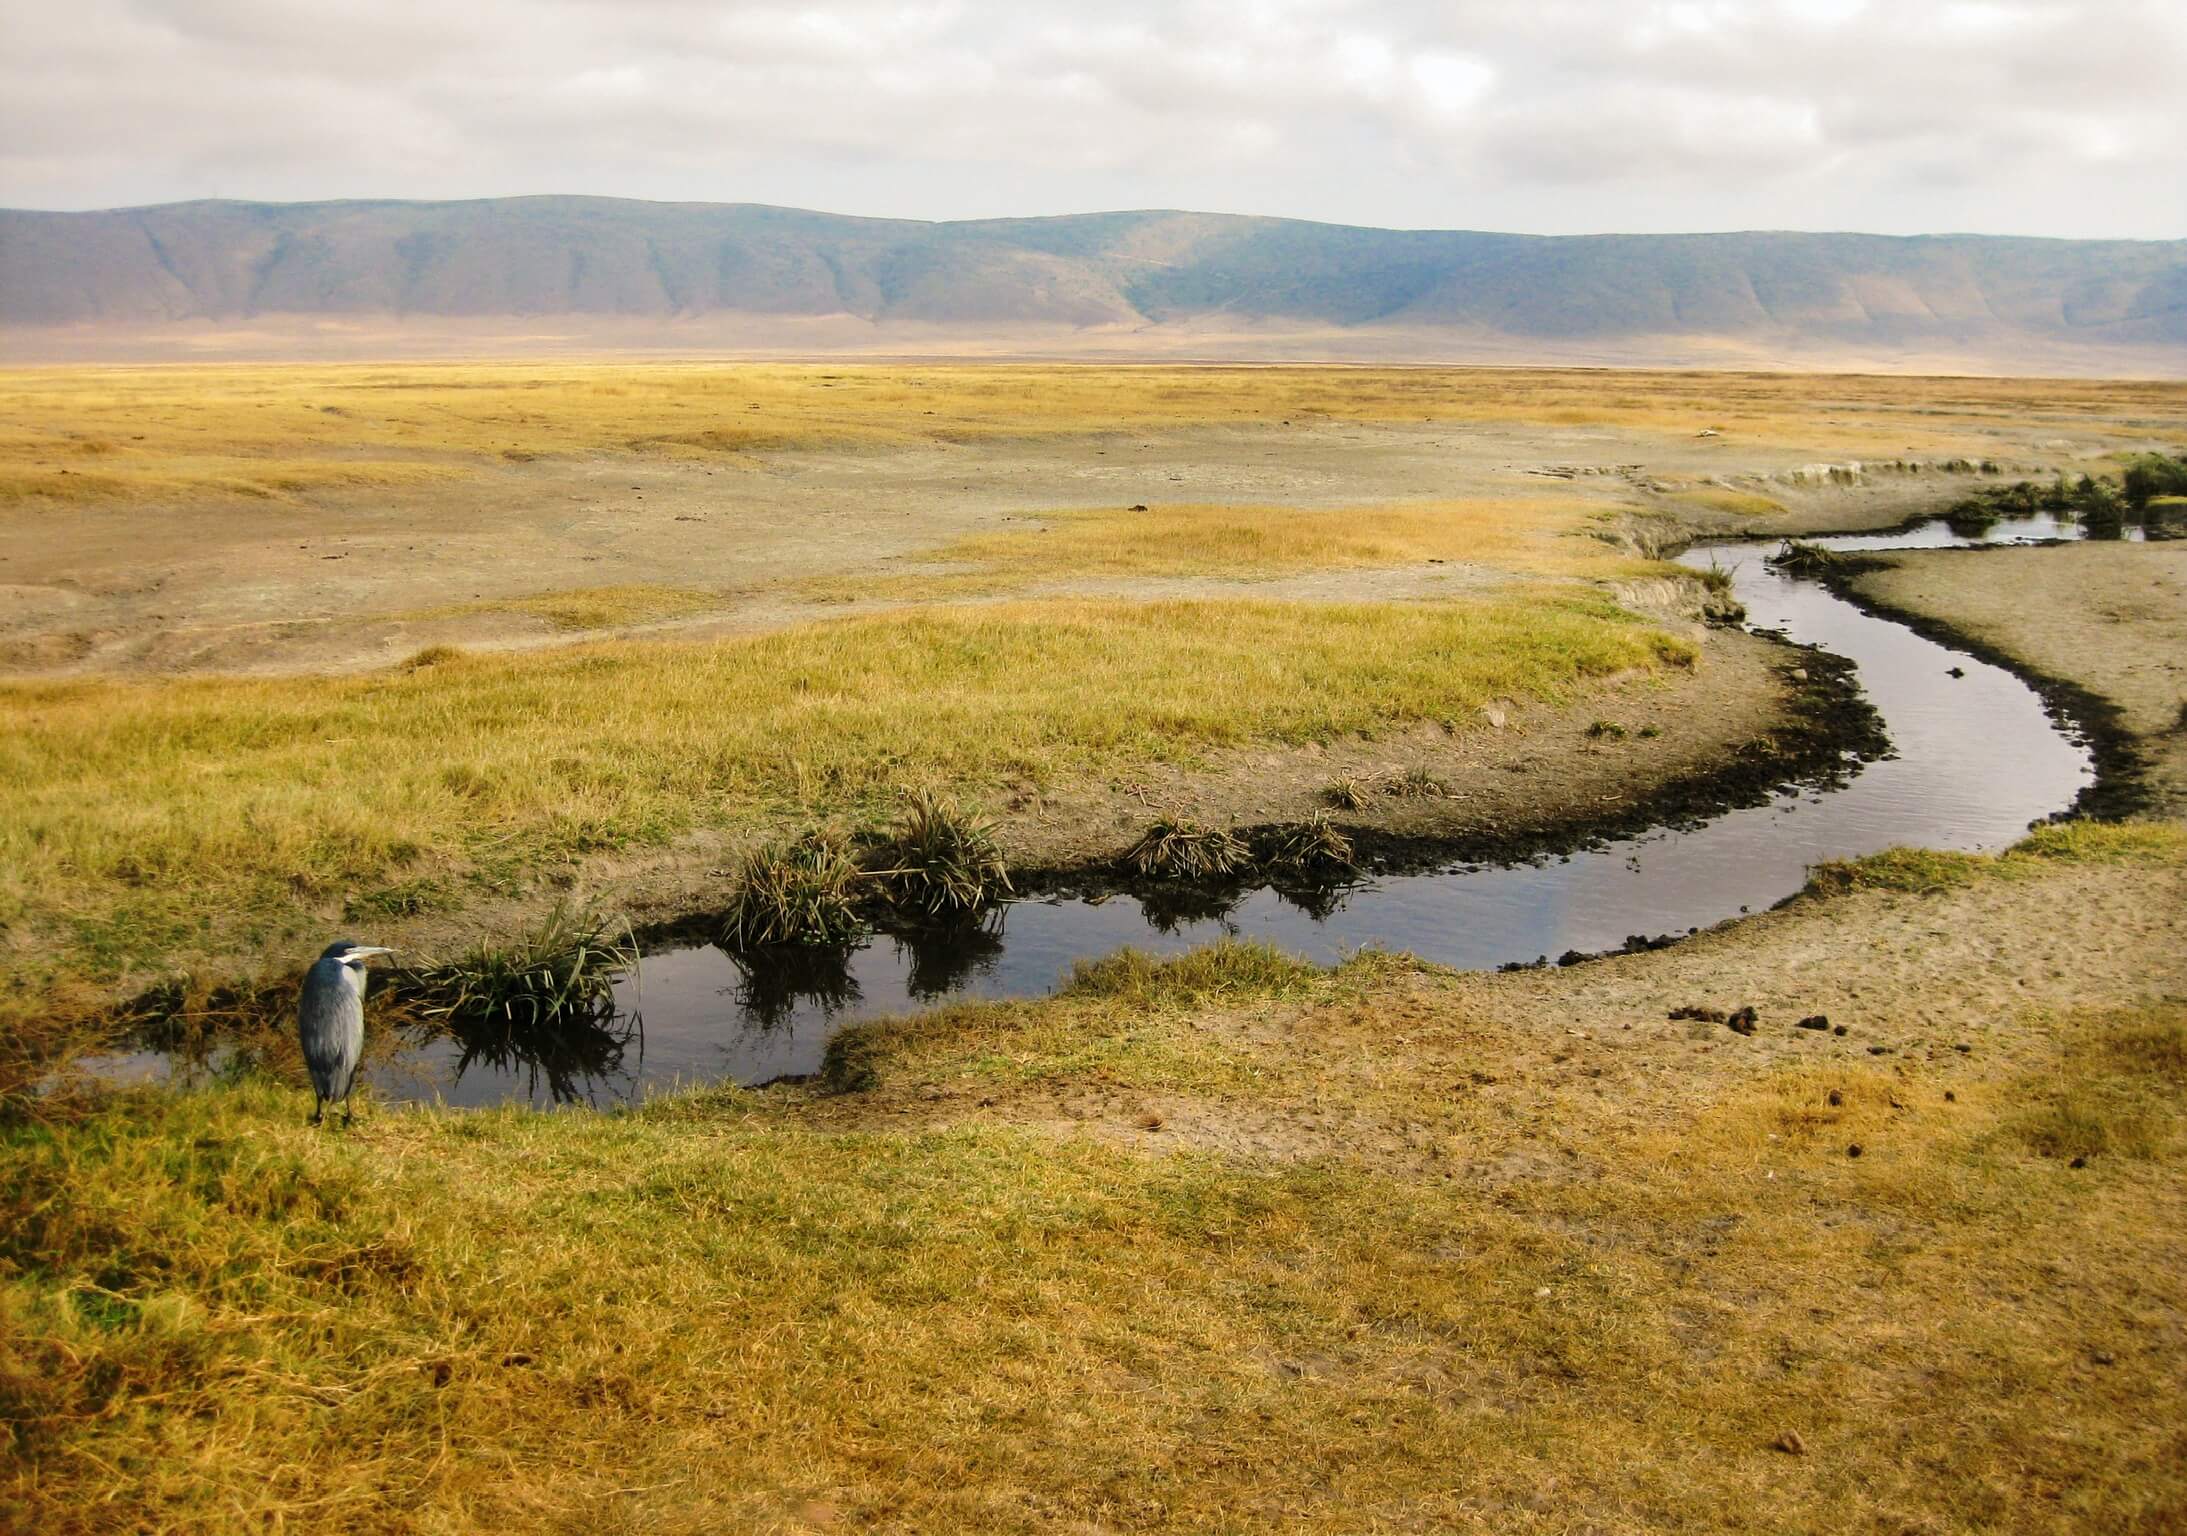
(1975, 758)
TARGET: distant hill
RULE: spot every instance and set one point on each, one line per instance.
(579, 270)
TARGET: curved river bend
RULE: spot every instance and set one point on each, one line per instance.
(1976, 757)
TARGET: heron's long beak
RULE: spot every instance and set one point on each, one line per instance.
(367, 951)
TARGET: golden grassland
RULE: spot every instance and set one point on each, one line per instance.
(149, 433)
(789, 1310)
(142, 822)
(1534, 535)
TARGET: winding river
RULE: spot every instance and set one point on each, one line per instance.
(1975, 758)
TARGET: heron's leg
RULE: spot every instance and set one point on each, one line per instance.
(349, 1112)
(318, 1106)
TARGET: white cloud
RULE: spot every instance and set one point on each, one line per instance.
(2035, 116)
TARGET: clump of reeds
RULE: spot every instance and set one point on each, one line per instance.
(566, 968)
(795, 891)
(1313, 844)
(940, 860)
(1605, 730)
(1801, 559)
(1417, 783)
(1346, 794)
(1176, 849)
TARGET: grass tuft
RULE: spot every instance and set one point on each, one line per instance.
(565, 968)
(795, 891)
(1346, 794)
(940, 860)
(1417, 783)
(1913, 871)
(1803, 559)
(1177, 849)
(1228, 968)
(1315, 845)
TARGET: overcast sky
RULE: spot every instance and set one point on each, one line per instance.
(2048, 117)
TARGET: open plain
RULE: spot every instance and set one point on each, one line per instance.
(1224, 1242)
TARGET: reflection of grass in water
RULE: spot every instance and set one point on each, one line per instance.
(570, 1053)
(941, 959)
(544, 1002)
(773, 983)
(1169, 908)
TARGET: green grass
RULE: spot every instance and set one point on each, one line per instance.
(799, 890)
(144, 823)
(1920, 871)
(940, 860)
(566, 967)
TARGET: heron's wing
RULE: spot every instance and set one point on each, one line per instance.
(330, 1027)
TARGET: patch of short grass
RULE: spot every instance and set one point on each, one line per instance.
(1540, 535)
(141, 819)
(1921, 870)
(1230, 968)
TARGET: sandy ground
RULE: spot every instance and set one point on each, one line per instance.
(2112, 617)
(1939, 989)
(344, 580)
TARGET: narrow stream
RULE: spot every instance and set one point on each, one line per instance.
(1976, 758)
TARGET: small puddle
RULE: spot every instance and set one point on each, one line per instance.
(1976, 757)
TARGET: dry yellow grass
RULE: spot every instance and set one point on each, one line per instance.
(774, 1313)
(1526, 534)
(82, 434)
(141, 823)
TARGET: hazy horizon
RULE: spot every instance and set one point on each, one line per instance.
(1095, 213)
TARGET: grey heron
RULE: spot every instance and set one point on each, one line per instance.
(330, 1023)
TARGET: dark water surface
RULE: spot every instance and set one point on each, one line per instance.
(1976, 758)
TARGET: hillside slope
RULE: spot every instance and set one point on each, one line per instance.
(216, 265)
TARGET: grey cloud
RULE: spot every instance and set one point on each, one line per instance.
(2026, 116)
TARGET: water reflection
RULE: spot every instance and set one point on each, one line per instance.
(576, 1058)
(774, 986)
(1173, 909)
(950, 958)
